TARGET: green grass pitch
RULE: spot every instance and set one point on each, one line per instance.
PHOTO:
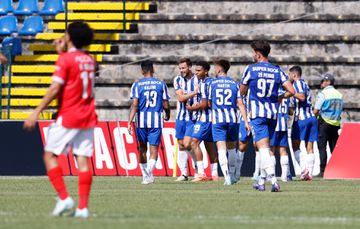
(120, 202)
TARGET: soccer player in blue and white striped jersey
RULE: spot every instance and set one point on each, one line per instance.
(305, 123)
(149, 99)
(280, 141)
(186, 87)
(224, 99)
(202, 127)
(264, 79)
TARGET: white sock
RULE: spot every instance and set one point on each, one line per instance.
(143, 167)
(262, 177)
(266, 162)
(257, 163)
(232, 160)
(192, 155)
(200, 166)
(151, 166)
(239, 161)
(297, 154)
(284, 162)
(223, 163)
(182, 162)
(273, 159)
(214, 169)
(310, 161)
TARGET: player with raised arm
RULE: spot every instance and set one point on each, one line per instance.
(202, 127)
(264, 80)
(73, 84)
(149, 100)
(305, 123)
(224, 100)
(186, 88)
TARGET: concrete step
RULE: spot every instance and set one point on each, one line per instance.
(258, 7)
(229, 28)
(236, 48)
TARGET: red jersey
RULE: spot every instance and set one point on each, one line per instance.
(75, 70)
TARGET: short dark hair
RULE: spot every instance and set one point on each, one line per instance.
(185, 60)
(80, 34)
(262, 47)
(296, 68)
(205, 65)
(147, 65)
(224, 64)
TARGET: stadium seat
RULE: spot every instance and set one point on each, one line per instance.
(5, 7)
(32, 26)
(27, 7)
(15, 44)
(8, 25)
(52, 7)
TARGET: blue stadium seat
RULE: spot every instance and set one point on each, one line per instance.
(12, 46)
(27, 7)
(52, 7)
(32, 26)
(8, 25)
(5, 7)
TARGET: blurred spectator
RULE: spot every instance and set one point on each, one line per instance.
(328, 108)
(3, 59)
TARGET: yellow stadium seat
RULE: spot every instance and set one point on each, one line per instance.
(25, 91)
(108, 6)
(50, 47)
(22, 115)
(97, 36)
(47, 58)
(93, 25)
(28, 80)
(26, 102)
(33, 68)
(99, 16)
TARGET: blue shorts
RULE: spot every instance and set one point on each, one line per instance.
(305, 130)
(225, 132)
(183, 128)
(149, 135)
(280, 139)
(202, 131)
(244, 136)
(263, 128)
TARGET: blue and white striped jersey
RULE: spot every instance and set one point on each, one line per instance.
(205, 115)
(303, 110)
(223, 94)
(283, 113)
(192, 84)
(181, 83)
(150, 92)
(264, 80)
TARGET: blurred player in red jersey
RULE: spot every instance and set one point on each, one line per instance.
(73, 85)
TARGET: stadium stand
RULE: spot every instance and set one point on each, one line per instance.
(321, 36)
(32, 26)
(27, 7)
(52, 7)
(5, 7)
(8, 25)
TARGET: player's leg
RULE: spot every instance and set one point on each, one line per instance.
(154, 139)
(310, 137)
(232, 136)
(57, 140)
(210, 148)
(295, 138)
(83, 150)
(142, 138)
(219, 135)
(322, 143)
(284, 162)
(256, 174)
(244, 139)
(187, 142)
(180, 128)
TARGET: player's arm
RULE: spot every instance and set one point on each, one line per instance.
(290, 90)
(198, 106)
(166, 106)
(181, 97)
(320, 99)
(51, 94)
(133, 110)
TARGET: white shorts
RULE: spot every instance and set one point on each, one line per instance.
(59, 138)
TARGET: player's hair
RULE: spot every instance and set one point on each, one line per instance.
(80, 34)
(296, 68)
(224, 64)
(205, 65)
(262, 47)
(185, 60)
(147, 65)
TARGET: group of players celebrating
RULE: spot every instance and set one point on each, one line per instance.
(228, 116)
